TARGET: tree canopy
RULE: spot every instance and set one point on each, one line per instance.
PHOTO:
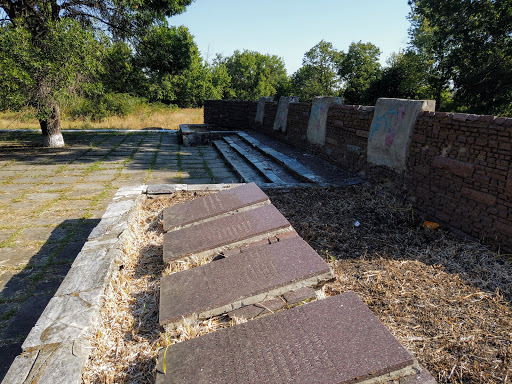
(468, 43)
(253, 74)
(318, 74)
(47, 45)
(359, 68)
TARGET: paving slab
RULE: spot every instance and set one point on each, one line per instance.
(224, 233)
(214, 205)
(249, 278)
(336, 340)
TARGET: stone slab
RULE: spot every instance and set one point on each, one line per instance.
(318, 118)
(251, 277)
(207, 207)
(299, 295)
(281, 118)
(391, 130)
(336, 340)
(224, 233)
(260, 110)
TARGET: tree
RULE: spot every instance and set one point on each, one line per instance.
(318, 74)
(35, 73)
(469, 44)
(359, 68)
(254, 74)
(122, 73)
(406, 77)
(164, 53)
(46, 29)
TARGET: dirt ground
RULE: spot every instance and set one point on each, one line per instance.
(446, 299)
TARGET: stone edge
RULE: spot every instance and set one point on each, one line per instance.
(56, 349)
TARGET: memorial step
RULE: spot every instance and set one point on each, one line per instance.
(239, 165)
(261, 165)
(227, 232)
(212, 206)
(257, 274)
(289, 163)
(336, 340)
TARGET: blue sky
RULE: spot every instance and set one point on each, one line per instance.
(289, 28)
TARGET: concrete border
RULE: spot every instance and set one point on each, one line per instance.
(56, 349)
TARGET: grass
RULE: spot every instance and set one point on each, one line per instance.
(143, 118)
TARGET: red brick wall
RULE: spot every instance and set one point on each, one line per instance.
(227, 114)
(459, 173)
(459, 166)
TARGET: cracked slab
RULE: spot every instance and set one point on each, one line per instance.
(335, 340)
(65, 318)
(224, 233)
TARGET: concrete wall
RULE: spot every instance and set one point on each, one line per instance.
(458, 170)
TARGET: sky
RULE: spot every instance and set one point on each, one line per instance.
(289, 28)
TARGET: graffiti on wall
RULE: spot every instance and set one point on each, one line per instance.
(318, 118)
(391, 130)
(389, 121)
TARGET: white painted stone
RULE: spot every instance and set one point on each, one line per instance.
(130, 191)
(318, 118)
(87, 276)
(391, 130)
(260, 111)
(282, 112)
(54, 141)
(20, 368)
(64, 366)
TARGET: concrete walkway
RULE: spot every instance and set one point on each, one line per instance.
(50, 200)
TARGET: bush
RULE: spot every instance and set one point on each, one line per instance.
(96, 109)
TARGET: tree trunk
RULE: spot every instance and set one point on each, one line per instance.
(50, 127)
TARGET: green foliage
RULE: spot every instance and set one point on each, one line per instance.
(359, 68)
(166, 50)
(106, 105)
(174, 71)
(253, 74)
(406, 77)
(121, 73)
(35, 71)
(318, 74)
(468, 43)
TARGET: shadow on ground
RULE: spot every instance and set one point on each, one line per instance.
(27, 292)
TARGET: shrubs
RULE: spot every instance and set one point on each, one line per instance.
(110, 104)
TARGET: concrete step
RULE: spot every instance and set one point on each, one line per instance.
(261, 166)
(292, 165)
(239, 165)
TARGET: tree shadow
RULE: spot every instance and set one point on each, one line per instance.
(27, 292)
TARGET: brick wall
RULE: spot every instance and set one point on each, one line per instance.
(459, 166)
(227, 114)
(459, 173)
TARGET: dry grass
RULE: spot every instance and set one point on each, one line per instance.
(143, 118)
(447, 300)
